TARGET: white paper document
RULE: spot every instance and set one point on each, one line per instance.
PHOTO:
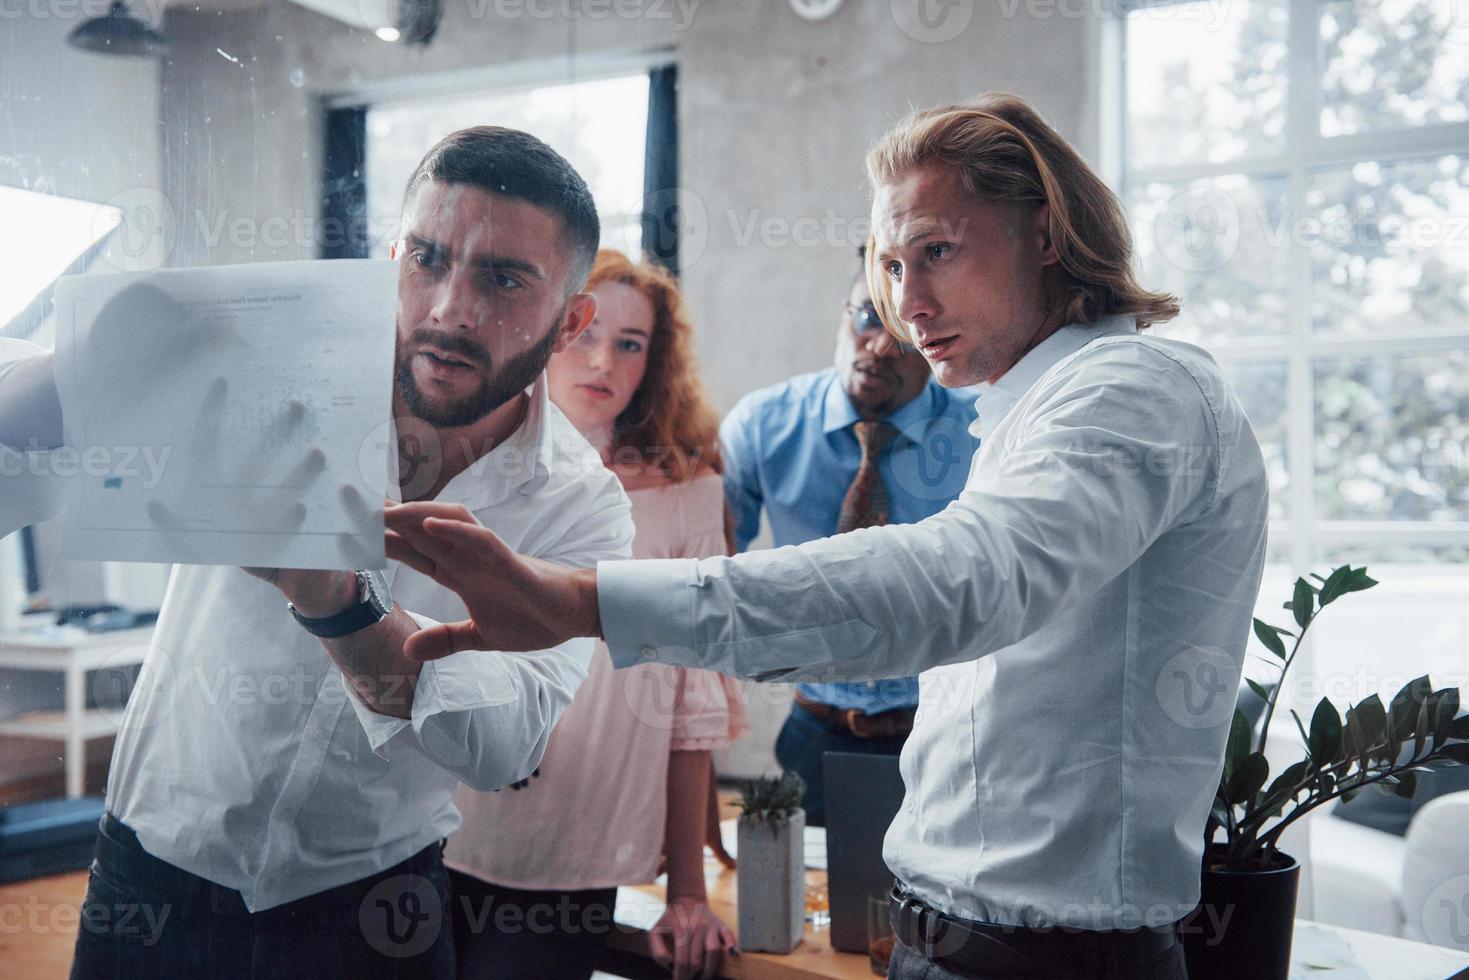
(233, 415)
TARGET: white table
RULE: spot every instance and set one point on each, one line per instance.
(75, 653)
(1323, 952)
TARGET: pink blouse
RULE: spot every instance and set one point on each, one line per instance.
(594, 816)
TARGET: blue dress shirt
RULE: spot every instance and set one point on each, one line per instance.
(791, 450)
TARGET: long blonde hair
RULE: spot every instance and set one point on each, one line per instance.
(1005, 152)
(670, 425)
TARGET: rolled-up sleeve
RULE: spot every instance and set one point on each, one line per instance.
(486, 722)
(486, 716)
(31, 487)
(1101, 464)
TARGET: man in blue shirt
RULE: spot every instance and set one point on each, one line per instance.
(873, 440)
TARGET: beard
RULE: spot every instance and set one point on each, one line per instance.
(496, 387)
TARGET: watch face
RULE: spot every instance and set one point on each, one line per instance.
(376, 586)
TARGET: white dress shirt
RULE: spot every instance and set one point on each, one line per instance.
(30, 488)
(244, 758)
(1079, 618)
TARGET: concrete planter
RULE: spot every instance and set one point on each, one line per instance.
(771, 879)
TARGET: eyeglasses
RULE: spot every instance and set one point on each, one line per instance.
(865, 322)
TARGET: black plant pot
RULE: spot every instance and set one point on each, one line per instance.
(1243, 925)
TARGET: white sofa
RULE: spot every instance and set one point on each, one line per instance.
(1416, 886)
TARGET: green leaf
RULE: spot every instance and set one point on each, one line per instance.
(1358, 581)
(1325, 743)
(1423, 726)
(1406, 704)
(1407, 784)
(1267, 635)
(1332, 586)
(1365, 729)
(1284, 788)
(1459, 728)
(1300, 605)
(1455, 752)
(1248, 776)
(1305, 739)
(1218, 819)
(1259, 689)
(1445, 708)
(1238, 746)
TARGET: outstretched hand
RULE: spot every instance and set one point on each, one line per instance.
(515, 603)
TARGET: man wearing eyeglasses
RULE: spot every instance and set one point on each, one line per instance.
(873, 440)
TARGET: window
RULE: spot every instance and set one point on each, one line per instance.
(46, 237)
(1298, 172)
(599, 126)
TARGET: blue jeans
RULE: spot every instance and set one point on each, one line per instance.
(144, 918)
(804, 739)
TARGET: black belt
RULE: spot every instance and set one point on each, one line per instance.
(983, 947)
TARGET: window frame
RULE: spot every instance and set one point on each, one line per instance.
(343, 192)
(1306, 152)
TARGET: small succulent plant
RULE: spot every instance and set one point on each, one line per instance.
(771, 801)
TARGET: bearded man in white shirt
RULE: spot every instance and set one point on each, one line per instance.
(1104, 557)
(282, 782)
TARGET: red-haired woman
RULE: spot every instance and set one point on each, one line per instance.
(626, 776)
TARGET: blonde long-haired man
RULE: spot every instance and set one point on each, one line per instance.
(1078, 616)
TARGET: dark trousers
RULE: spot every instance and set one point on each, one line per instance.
(517, 934)
(144, 919)
(909, 964)
(804, 739)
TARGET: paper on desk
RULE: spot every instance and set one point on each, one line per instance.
(229, 415)
(1318, 953)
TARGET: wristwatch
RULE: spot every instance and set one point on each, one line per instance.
(374, 602)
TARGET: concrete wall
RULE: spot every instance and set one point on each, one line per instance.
(775, 116)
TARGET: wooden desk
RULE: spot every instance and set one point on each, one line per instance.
(75, 653)
(1352, 955)
(638, 908)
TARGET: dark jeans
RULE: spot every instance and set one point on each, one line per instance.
(804, 739)
(517, 935)
(908, 964)
(144, 919)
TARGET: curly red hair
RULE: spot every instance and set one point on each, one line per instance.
(671, 426)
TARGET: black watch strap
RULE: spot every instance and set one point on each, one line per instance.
(367, 611)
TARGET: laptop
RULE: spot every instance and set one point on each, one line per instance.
(863, 795)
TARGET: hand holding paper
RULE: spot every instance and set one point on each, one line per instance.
(230, 415)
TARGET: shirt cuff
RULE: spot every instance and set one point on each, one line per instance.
(647, 610)
(379, 728)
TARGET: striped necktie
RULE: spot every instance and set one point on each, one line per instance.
(866, 503)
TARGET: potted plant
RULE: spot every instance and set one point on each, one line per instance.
(1246, 914)
(770, 876)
